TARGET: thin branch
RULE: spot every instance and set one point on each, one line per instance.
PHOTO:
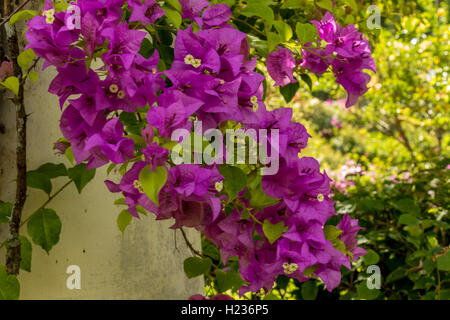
(48, 201)
(405, 140)
(5, 20)
(191, 247)
(250, 26)
(29, 70)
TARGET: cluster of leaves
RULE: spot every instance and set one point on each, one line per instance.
(43, 226)
(407, 231)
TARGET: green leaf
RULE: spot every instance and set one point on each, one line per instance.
(173, 16)
(273, 231)
(9, 286)
(325, 4)
(69, 155)
(210, 250)
(284, 30)
(39, 180)
(407, 205)
(289, 91)
(245, 214)
(271, 296)
(331, 232)
(366, 293)
(25, 58)
(60, 5)
(306, 32)
(258, 10)
(5, 211)
(52, 170)
(423, 283)
(235, 180)
(176, 4)
(443, 262)
(81, 176)
(352, 4)
(44, 228)
(397, 274)
(292, 4)
(33, 76)
(306, 78)
(11, 83)
(258, 199)
(308, 272)
(445, 294)
(309, 290)
(408, 219)
(339, 245)
(152, 182)
(371, 258)
(146, 49)
(25, 252)
(22, 15)
(120, 201)
(229, 280)
(123, 220)
(273, 40)
(195, 266)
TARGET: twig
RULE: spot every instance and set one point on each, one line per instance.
(47, 202)
(29, 69)
(5, 20)
(406, 143)
(250, 26)
(191, 247)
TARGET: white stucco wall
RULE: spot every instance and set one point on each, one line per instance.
(146, 263)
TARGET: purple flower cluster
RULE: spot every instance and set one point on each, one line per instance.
(346, 50)
(302, 251)
(213, 79)
(124, 82)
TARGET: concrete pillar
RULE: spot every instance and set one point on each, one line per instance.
(145, 263)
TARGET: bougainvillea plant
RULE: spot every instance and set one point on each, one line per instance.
(131, 74)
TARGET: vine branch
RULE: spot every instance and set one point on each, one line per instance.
(48, 201)
(191, 247)
(5, 20)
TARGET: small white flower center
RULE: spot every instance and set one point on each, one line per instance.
(49, 12)
(197, 63)
(219, 186)
(290, 268)
(49, 15)
(50, 19)
(320, 197)
(189, 59)
(113, 88)
(138, 186)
